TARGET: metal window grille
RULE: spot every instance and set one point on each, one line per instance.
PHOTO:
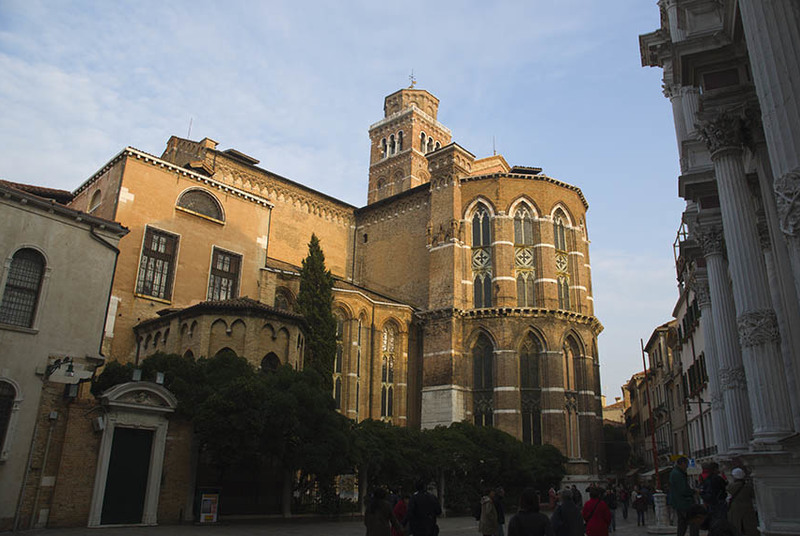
(23, 284)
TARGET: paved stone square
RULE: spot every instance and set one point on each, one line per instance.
(299, 527)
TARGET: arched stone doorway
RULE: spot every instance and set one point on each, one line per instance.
(128, 478)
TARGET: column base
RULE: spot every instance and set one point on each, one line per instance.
(776, 478)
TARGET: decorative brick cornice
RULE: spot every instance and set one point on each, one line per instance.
(541, 177)
(513, 312)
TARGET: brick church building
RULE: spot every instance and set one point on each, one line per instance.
(462, 289)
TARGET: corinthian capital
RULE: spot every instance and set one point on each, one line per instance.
(787, 195)
(722, 131)
(758, 327)
(701, 291)
(711, 239)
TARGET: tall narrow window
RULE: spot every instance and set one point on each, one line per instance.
(383, 148)
(530, 391)
(423, 139)
(399, 141)
(337, 393)
(223, 283)
(338, 359)
(559, 231)
(387, 370)
(483, 381)
(392, 145)
(157, 264)
(7, 396)
(481, 258)
(524, 257)
(23, 286)
(563, 292)
(430, 148)
(96, 200)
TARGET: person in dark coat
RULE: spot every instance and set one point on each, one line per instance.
(423, 509)
(379, 518)
(576, 496)
(712, 491)
(499, 494)
(528, 521)
(681, 496)
(741, 495)
(566, 518)
(610, 498)
(700, 517)
(596, 514)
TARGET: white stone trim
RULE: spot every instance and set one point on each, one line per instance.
(503, 278)
(507, 411)
(578, 287)
(376, 302)
(578, 253)
(552, 412)
(505, 389)
(545, 280)
(443, 352)
(587, 413)
(552, 389)
(444, 245)
(502, 243)
(466, 282)
(545, 245)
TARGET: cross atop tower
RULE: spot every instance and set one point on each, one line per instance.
(412, 79)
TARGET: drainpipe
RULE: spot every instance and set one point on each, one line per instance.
(53, 418)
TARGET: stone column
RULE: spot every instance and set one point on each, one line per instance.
(781, 281)
(756, 319)
(675, 95)
(772, 29)
(676, 33)
(690, 99)
(732, 382)
(702, 293)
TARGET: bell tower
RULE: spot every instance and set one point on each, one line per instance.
(401, 140)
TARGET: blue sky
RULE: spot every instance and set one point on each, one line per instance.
(297, 83)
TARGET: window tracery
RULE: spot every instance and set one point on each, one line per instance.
(483, 381)
(481, 258)
(388, 344)
(524, 257)
(530, 391)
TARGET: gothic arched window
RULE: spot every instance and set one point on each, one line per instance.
(571, 353)
(423, 139)
(481, 258)
(201, 202)
(483, 381)
(399, 141)
(388, 349)
(524, 257)
(392, 145)
(559, 230)
(563, 292)
(383, 148)
(531, 390)
(338, 360)
(22, 289)
(270, 363)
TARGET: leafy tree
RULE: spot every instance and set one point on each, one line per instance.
(315, 302)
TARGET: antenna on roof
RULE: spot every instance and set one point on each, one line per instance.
(494, 147)
(412, 79)
(189, 134)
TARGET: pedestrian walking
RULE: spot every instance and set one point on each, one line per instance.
(379, 518)
(624, 500)
(566, 518)
(528, 521)
(681, 496)
(610, 498)
(499, 494)
(640, 505)
(741, 495)
(488, 522)
(401, 513)
(577, 497)
(596, 514)
(423, 509)
(712, 491)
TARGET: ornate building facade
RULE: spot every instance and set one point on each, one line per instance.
(462, 289)
(731, 71)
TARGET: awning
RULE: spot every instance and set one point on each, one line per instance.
(632, 472)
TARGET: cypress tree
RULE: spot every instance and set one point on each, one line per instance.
(315, 302)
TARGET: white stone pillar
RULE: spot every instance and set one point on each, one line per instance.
(702, 293)
(772, 30)
(733, 385)
(675, 96)
(676, 33)
(781, 281)
(690, 100)
(756, 319)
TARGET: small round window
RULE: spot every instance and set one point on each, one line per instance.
(201, 202)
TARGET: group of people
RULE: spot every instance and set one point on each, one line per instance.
(724, 509)
(415, 514)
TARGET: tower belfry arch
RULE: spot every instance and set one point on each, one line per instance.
(401, 140)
